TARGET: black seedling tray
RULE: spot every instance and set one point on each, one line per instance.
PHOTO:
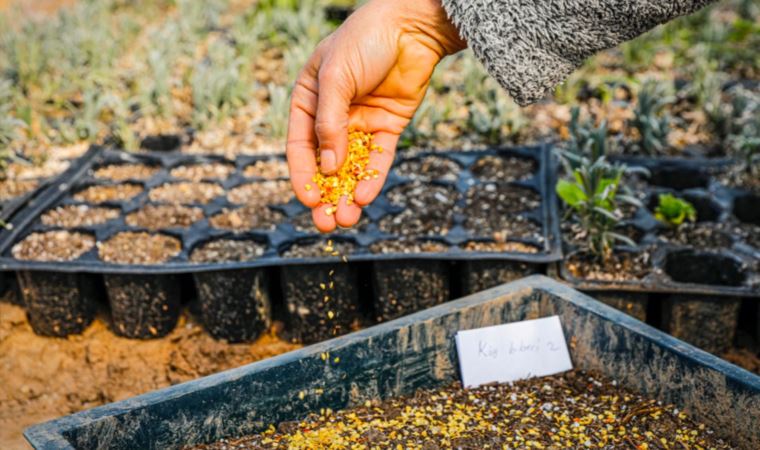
(699, 290)
(299, 275)
(418, 352)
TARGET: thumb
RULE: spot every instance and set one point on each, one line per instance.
(331, 121)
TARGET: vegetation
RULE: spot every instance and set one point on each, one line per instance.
(650, 119)
(674, 211)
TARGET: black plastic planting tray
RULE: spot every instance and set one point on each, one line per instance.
(418, 351)
(695, 289)
(405, 280)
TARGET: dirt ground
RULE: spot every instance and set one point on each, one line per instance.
(44, 378)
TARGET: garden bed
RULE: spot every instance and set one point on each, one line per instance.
(373, 366)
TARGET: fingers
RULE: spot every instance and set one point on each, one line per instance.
(347, 215)
(302, 142)
(323, 221)
(367, 190)
(331, 121)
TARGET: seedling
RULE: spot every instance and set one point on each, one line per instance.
(748, 147)
(650, 121)
(277, 114)
(674, 211)
(593, 197)
(586, 141)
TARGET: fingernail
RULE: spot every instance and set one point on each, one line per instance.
(328, 161)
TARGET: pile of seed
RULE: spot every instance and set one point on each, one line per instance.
(14, 188)
(495, 168)
(320, 249)
(139, 248)
(109, 193)
(246, 218)
(408, 246)
(429, 168)
(268, 169)
(572, 410)
(186, 193)
(124, 172)
(264, 192)
(499, 247)
(200, 172)
(53, 246)
(227, 250)
(155, 217)
(78, 216)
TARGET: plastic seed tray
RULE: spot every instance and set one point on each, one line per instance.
(698, 275)
(418, 351)
(427, 225)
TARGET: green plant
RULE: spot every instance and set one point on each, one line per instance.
(277, 114)
(593, 195)
(9, 126)
(650, 120)
(748, 148)
(674, 211)
(587, 142)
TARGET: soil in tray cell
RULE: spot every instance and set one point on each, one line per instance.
(186, 193)
(620, 266)
(108, 193)
(429, 168)
(268, 169)
(497, 168)
(124, 172)
(261, 193)
(139, 248)
(53, 246)
(572, 410)
(246, 218)
(408, 246)
(499, 247)
(493, 209)
(156, 217)
(203, 171)
(429, 209)
(10, 189)
(71, 216)
(227, 250)
(700, 235)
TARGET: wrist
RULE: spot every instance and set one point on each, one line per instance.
(429, 19)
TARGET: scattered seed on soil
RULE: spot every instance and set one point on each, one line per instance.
(130, 247)
(493, 209)
(429, 209)
(124, 172)
(354, 169)
(701, 235)
(322, 248)
(429, 168)
(186, 193)
(261, 193)
(154, 217)
(246, 218)
(204, 171)
(109, 193)
(71, 216)
(268, 169)
(227, 250)
(498, 247)
(53, 246)
(621, 266)
(495, 168)
(408, 246)
(573, 410)
(10, 189)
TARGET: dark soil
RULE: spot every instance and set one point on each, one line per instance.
(202, 172)
(621, 266)
(53, 246)
(10, 189)
(699, 235)
(739, 177)
(227, 250)
(186, 193)
(125, 172)
(268, 169)
(139, 248)
(261, 193)
(156, 217)
(499, 247)
(71, 216)
(407, 246)
(246, 218)
(322, 248)
(496, 168)
(429, 168)
(429, 209)
(109, 193)
(572, 410)
(493, 209)
(750, 234)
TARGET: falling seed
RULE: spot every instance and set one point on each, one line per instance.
(322, 286)
(330, 314)
(301, 395)
(327, 298)
(336, 360)
(331, 273)
(345, 259)
(332, 284)
(324, 356)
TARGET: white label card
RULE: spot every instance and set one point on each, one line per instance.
(513, 351)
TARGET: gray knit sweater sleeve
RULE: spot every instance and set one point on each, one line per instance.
(530, 46)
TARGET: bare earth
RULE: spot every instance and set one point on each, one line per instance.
(44, 378)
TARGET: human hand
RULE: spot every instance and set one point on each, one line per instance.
(370, 75)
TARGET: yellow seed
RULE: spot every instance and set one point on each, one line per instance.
(307, 187)
(336, 360)
(322, 286)
(330, 314)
